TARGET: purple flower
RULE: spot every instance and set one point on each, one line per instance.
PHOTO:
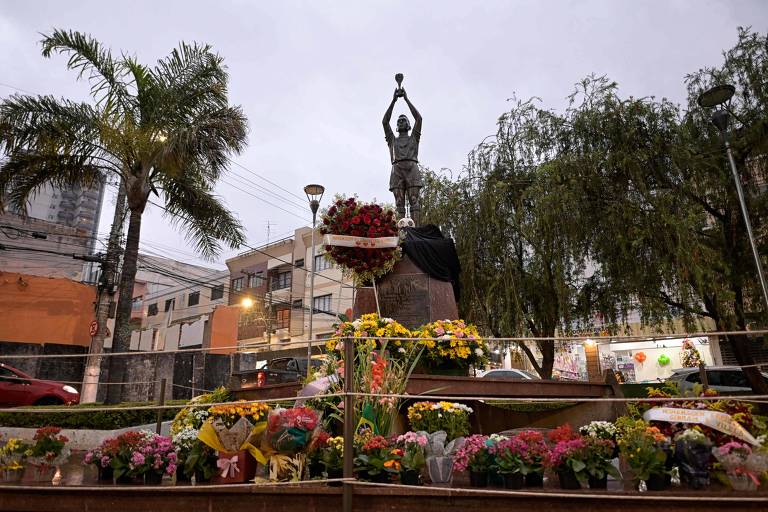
(105, 461)
(137, 459)
(88, 458)
(171, 469)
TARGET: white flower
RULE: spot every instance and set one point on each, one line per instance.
(479, 352)
(401, 350)
(356, 324)
(387, 320)
(445, 337)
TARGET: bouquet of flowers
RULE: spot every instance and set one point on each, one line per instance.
(49, 449)
(456, 344)
(290, 430)
(473, 455)
(692, 453)
(510, 456)
(232, 427)
(742, 464)
(370, 325)
(12, 455)
(348, 216)
(451, 417)
(599, 430)
(332, 456)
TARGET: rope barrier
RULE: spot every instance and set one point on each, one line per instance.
(267, 347)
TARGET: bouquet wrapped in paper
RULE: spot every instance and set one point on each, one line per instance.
(290, 430)
(234, 431)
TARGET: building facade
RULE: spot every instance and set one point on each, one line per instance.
(272, 286)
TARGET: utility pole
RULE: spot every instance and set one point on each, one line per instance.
(105, 293)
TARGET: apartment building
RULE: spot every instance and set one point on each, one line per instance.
(272, 286)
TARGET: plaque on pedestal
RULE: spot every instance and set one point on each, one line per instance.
(410, 296)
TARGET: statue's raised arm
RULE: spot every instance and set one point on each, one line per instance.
(388, 135)
(416, 116)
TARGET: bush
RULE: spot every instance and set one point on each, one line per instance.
(80, 417)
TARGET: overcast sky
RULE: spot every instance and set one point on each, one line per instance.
(314, 78)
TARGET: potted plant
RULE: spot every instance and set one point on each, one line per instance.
(599, 460)
(692, 452)
(413, 460)
(602, 430)
(742, 465)
(568, 459)
(450, 417)
(474, 457)
(510, 460)
(314, 463)
(48, 451)
(377, 461)
(440, 456)
(646, 451)
(536, 453)
(12, 457)
(333, 458)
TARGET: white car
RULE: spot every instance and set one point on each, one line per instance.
(508, 374)
(725, 379)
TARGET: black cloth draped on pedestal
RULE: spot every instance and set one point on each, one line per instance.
(434, 254)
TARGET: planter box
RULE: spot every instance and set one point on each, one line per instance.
(239, 471)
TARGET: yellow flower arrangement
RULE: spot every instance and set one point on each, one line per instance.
(231, 412)
(452, 341)
(370, 325)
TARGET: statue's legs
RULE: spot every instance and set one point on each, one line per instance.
(399, 201)
(413, 201)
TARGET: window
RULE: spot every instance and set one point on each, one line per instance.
(283, 319)
(152, 309)
(137, 302)
(194, 299)
(297, 304)
(322, 263)
(734, 378)
(168, 305)
(256, 280)
(322, 304)
(281, 280)
(237, 284)
(299, 263)
(217, 292)
(279, 364)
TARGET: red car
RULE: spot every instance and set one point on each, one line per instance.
(18, 388)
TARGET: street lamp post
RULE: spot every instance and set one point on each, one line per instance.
(714, 97)
(314, 194)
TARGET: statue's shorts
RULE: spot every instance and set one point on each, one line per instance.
(404, 175)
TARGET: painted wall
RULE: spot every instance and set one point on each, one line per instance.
(224, 328)
(45, 310)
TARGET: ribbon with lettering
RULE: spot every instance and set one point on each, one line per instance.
(714, 419)
(360, 242)
(228, 466)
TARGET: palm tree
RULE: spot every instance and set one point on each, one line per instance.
(166, 130)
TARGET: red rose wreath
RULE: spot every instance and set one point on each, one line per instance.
(348, 216)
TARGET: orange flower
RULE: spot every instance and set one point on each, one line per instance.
(393, 464)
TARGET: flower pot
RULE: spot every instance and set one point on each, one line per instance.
(478, 478)
(129, 480)
(333, 474)
(105, 474)
(598, 483)
(234, 468)
(657, 482)
(513, 480)
(381, 477)
(182, 477)
(315, 469)
(495, 479)
(440, 470)
(43, 473)
(534, 479)
(568, 480)
(200, 477)
(11, 475)
(410, 477)
(742, 483)
(153, 478)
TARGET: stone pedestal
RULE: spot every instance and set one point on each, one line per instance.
(410, 296)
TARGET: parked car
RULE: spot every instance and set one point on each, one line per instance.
(725, 379)
(18, 388)
(277, 371)
(508, 374)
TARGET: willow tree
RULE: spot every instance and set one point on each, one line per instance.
(166, 130)
(517, 231)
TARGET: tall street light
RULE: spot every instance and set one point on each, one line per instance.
(314, 194)
(715, 97)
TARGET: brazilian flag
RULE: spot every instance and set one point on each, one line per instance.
(367, 422)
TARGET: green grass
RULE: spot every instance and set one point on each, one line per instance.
(80, 417)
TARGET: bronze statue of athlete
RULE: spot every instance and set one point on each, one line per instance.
(405, 180)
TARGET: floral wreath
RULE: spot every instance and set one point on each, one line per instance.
(348, 216)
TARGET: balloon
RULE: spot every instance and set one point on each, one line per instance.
(640, 357)
(663, 360)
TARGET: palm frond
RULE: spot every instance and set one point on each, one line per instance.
(204, 218)
(86, 54)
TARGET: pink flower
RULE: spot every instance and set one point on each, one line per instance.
(137, 459)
